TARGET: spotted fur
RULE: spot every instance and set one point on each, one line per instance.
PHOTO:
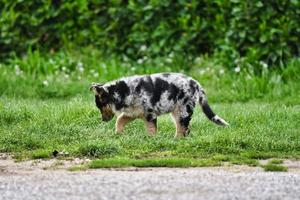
(149, 96)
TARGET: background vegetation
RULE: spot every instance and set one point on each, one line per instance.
(238, 31)
(244, 53)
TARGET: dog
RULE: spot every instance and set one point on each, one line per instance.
(149, 96)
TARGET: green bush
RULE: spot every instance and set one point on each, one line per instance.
(237, 31)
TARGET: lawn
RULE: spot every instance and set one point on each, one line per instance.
(32, 128)
(43, 113)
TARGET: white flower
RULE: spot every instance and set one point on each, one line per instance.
(51, 61)
(222, 71)
(96, 74)
(171, 55)
(202, 71)
(18, 70)
(143, 48)
(66, 76)
(79, 64)
(64, 68)
(169, 60)
(263, 64)
(140, 61)
(80, 67)
(237, 69)
(45, 83)
(248, 77)
(126, 64)
(198, 60)
(18, 73)
(125, 58)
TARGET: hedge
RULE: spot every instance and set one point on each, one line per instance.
(258, 30)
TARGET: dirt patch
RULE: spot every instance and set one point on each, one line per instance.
(9, 166)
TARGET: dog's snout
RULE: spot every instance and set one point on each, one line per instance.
(106, 119)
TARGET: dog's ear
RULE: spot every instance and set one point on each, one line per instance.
(97, 88)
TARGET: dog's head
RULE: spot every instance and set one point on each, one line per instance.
(102, 100)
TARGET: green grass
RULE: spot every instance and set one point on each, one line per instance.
(78, 168)
(37, 154)
(45, 105)
(276, 161)
(155, 162)
(276, 168)
(33, 128)
(165, 162)
(66, 74)
(244, 161)
(275, 165)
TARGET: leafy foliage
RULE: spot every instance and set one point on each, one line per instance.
(237, 31)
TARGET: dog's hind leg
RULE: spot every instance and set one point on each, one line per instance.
(182, 117)
(122, 120)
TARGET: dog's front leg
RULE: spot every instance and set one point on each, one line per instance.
(151, 126)
(122, 120)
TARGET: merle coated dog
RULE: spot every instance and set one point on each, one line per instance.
(149, 96)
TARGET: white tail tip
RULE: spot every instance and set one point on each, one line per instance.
(218, 120)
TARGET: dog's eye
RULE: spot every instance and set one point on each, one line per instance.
(104, 98)
(104, 101)
(100, 97)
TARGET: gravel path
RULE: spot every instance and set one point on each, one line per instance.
(30, 181)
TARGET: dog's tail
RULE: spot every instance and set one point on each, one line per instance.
(209, 113)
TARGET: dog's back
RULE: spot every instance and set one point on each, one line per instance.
(160, 93)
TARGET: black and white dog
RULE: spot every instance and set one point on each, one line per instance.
(149, 96)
